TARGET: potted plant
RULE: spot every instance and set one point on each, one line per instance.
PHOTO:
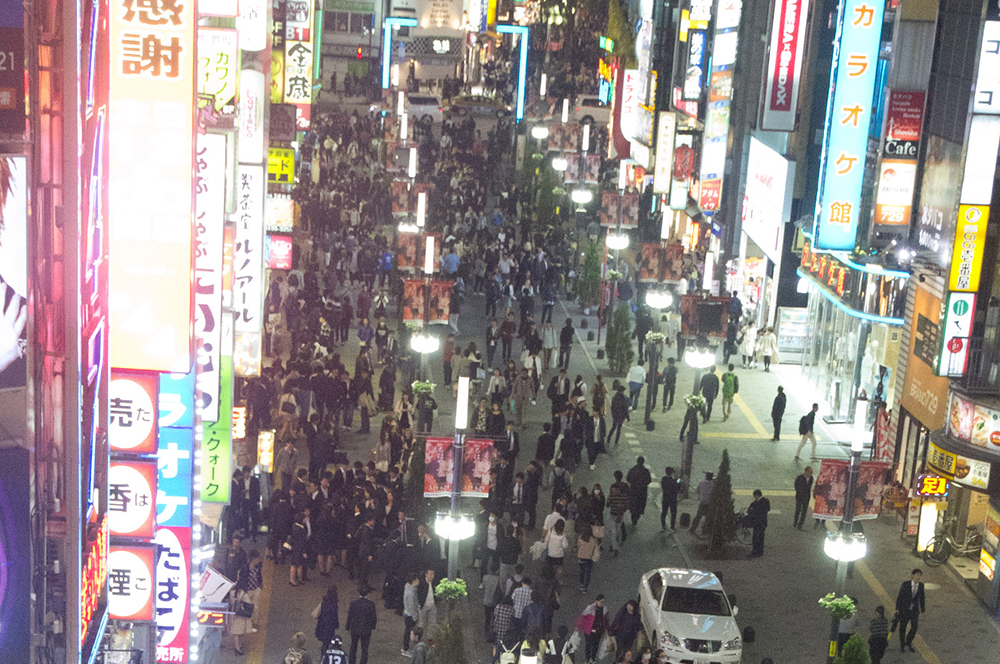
(838, 607)
(422, 387)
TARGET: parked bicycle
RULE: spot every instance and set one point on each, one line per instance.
(941, 548)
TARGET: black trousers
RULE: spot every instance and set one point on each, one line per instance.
(670, 507)
(758, 540)
(776, 423)
(616, 425)
(708, 407)
(668, 389)
(913, 618)
(564, 356)
(505, 356)
(801, 510)
(447, 373)
(363, 638)
(408, 625)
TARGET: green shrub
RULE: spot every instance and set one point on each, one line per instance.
(619, 341)
(720, 520)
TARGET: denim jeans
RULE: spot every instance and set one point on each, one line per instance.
(635, 389)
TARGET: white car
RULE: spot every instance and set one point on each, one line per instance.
(587, 110)
(687, 613)
(425, 108)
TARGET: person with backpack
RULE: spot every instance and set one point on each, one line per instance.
(297, 653)
(730, 388)
(420, 651)
(806, 425)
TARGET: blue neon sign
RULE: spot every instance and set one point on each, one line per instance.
(522, 69)
(848, 115)
(388, 25)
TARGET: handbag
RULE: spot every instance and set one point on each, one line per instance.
(537, 549)
(288, 407)
(597, 555)
(243, 609)
(287, 545)
(608, 647)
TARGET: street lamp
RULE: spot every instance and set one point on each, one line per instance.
(659, 299)
(582, 196)
(847, 546)
(540, 132)
(424, 343)
(457, 531)
(617, 241)
(560, 163)
(699, 356)
(454, 528)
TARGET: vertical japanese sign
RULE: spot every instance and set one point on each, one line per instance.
(251, 117)
(694, 74)
(970, 241)
(720, 93)
(665, 134)
(132, 412)
(846, 141)
(152, 98)
(174, 459)
(298, 52)
(630, 103)
(12, 67)
(210, 209)
(216, 443)
(176, 402)
(248, 268)
(898, 173)
(130, 582)
(784, 65)
(218, 65)
(956, 329)
(251, 23)
(173, 584)
(131, 498)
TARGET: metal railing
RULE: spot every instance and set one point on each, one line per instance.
(981, 373)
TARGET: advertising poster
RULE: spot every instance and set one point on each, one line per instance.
(439, 467)
(13, 271)
(831, 487)
(964, 470)
(414, 300)
(440, 302)
(476, 464)
(659, 263)
(570, 138)
(592, 172)
(925, 395)
(407, 246)
(279, 252)
(784, 67)
(615, 205)
(572, 174)
(400, 198)
(15, 551)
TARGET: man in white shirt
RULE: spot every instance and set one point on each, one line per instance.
(636, 379)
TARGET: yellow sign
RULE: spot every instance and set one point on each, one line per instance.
(218, 65)
(987, 564)
(277, 76)
(265, 449)
(967, 256)
(941, 460)
(281, 165)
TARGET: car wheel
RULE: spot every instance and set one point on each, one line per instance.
(427, 118)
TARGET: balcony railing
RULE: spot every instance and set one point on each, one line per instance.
(982, 366)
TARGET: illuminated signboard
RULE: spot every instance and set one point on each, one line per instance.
(218, 65)
(130, 582)
(176, 400)
(932, 485)
(846, 141)
(248, 257)
(173, 587)
(265, 449)
(210, 211)
(216, 444)
(630, 103)
(298, 52)
(251, 117)
(93, 579)
(279, 252)
(895, 192)
(281, 165)
(174, 468)
(694, 74)
(898, 174)
(12, 77)
(987, 98)
(132, 498)
(251, 24)
(14, 257)
(151, 159)
(605, 80)
(216, 617)
(132, 412)
(767, 199)
(784, 67)
(970, 239)
(955, 332)
(239, 422)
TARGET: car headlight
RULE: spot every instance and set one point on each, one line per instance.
(734, 644)
(668, 639)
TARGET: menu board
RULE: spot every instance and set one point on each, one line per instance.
(974, 423)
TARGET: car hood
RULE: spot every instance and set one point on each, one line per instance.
(696, 626)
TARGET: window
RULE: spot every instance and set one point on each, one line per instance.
(592, 102)
(358, 24)
(342, 21)
(656, 586)
(694, 600)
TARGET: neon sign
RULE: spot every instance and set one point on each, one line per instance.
(95, 575)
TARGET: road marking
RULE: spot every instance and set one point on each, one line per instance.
(731, 434)
(873, 583)
(758, 427)
(255, 654)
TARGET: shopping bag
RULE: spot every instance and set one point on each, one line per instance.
(537, 549)
(607, 648)
(597, 555)
(576, 640)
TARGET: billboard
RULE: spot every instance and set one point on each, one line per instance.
(173, 583)
(12, 77)
(846, 141)
(151, 197)
(279, 252)
(251, 23)
(663, 168)
(831, 487)
(216, 443)
(694, 73)
(767, 200)
(898, 173)
(248, 256)
(132, 412)
(970, 241)
(13, 268)
(251, 117)
(130, 582)
(784, 65)
(131, 498)
(218, 65)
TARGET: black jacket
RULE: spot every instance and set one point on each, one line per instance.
(422, 591)
(566, 335)
(619, 406)
(361, 616)
(778, 407)
(907, 602)
(670, 486)
(757, 513)
(803, 485)
(710, 386)
(510, 442)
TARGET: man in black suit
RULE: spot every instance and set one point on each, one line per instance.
(251, 501)
(361, 622)
(909, 606)
(757, 516)
(511, 442)
(709, 390)
(237, 507)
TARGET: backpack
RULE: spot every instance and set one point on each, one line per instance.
(803, 425)
(508, 656)
(294, 656)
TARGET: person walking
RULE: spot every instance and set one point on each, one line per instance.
(709, 390)
(748, 344)
(548, 345)
(327, 618)
(768, 348)
(566, 343)
(619, 413)
(806, 425)
(594, 435)
(910, 604)
(504, 625)
(626, 627)
(704, 495)
(669, 381)
(522, 391)
(639, 480)
(777, 412)
(447, 353)
(617, 504)
(361, 622)
(878, 638)
(636, 379)
(587, 553)
(757, 516)
(508, 329)
(426, 602)
(803, 489)
(670, 487)
(730, 388)
(286, 463)
(411, 609)
(592, 623)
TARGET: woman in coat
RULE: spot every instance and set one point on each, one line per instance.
(626, 626)
(279, 524)
(387, 387)
(748, 343)
(404, 409)
(768, 345)
(496, 423)
(593, 623)
(299, 542)
(327, 618)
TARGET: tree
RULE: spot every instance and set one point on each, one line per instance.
(855, 651)
(414, 483)
(588, 285)
(449, 641)
(546, 207)
(619, 341)
(720, 520)
(623, 35)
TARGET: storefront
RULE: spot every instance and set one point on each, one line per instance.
(853, 330)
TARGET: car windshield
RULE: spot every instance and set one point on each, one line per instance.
(695, 600)
(592, 102)
(424, 101)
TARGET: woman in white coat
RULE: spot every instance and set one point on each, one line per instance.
(769, 347)
(748, 345)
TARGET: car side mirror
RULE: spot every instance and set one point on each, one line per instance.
(736, 610)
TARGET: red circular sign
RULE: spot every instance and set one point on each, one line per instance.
(995, 437)
(955, 345)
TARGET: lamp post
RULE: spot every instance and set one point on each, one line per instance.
(456, 531)
(846, 546)
(616, 241)
(697, 356)
(653, 351)
(424, 342)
